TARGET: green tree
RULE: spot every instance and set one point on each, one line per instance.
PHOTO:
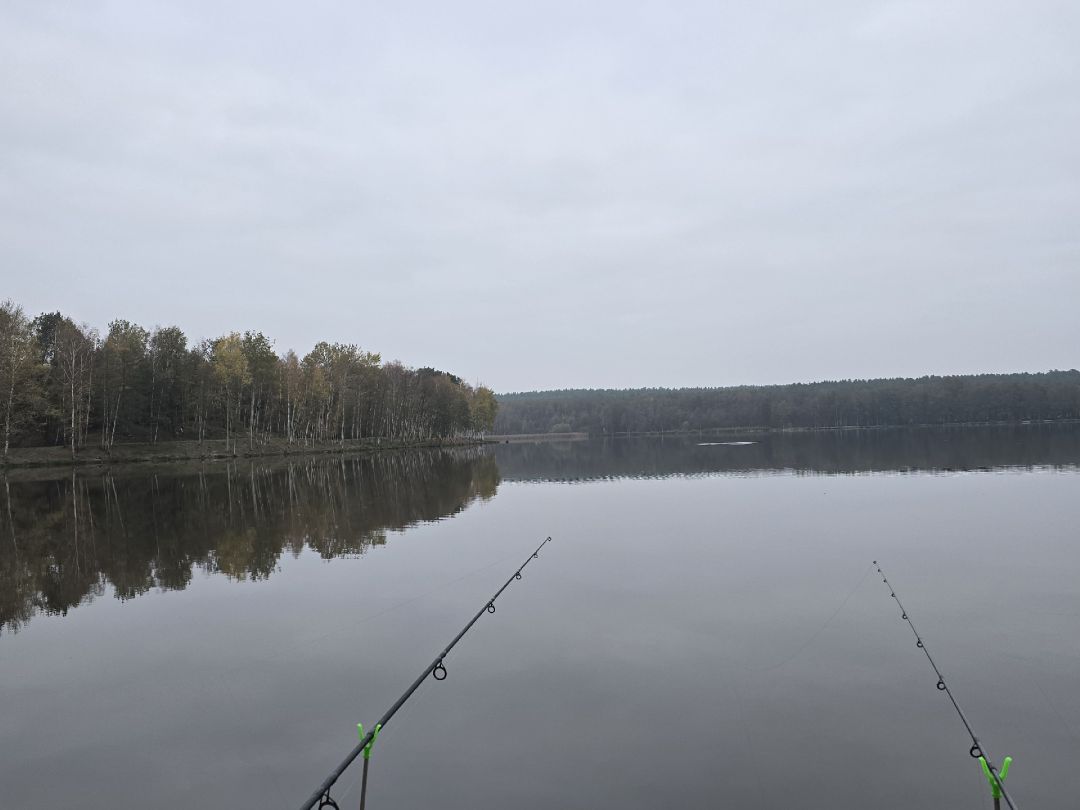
(232, 374)
(71, 355)
(167, 355)
(483, 408)
(19, 369)
(124, 355)
(262, 365)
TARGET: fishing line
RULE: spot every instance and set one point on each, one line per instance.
(406, 601)
(237, 710)
(738, 664)
(750, 749)
(977, 751)
(1054, 709)
(819, 631)
(283, 651)
(223, 673)
(436, 669)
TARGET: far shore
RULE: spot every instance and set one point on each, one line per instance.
(217, 450)
(756, 429)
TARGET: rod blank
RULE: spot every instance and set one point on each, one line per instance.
(433, 669)
(977, 750)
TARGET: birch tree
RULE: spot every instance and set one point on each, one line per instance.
(124, 353)
(482, 410)
(19, 367)
(72, 352)
(292, 381)
(232, 374)
(262, 366)
(166, 353)
(144, 385)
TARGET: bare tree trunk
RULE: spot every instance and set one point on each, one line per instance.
(341, 435)
(116, 416)
(10, 400)
(7, 420)
(153, 391)
(72, 381)
(89, 397)
(104, 407)
(200, 411)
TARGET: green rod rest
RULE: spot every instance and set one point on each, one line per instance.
(995, 788)
(374, 737)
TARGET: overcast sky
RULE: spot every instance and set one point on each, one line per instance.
(541, 195)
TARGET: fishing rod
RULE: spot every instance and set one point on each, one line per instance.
(977, 751)
(437, 670)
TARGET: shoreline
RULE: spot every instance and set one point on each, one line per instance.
(208, 451)
(752, 429)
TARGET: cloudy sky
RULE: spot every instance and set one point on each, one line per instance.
(553, 194)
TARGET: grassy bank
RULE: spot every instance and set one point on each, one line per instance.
(209, 450)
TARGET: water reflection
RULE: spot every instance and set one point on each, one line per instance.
(729, 612)
(826, 452)
(65, 540)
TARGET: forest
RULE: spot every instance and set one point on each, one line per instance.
(932, 400)
(63, 383)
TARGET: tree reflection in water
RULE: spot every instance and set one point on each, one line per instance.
(831, 452)
(66, 539)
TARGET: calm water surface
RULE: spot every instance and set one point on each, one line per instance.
(705, 628)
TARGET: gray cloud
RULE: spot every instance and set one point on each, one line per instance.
(557, 194)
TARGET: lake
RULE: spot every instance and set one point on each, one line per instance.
(705, 628)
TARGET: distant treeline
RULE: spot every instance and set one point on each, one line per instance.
(66, 383)
(980, 398)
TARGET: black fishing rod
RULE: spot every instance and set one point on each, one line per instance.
(977, 751)
(436, 669)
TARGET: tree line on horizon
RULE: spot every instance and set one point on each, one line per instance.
(931, 400)
(63, 383)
